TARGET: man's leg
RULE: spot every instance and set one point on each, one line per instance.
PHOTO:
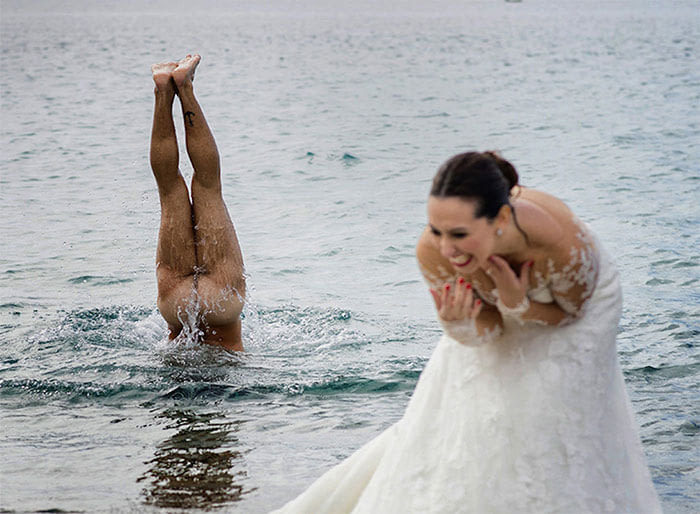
(220, 278)
(175, 257)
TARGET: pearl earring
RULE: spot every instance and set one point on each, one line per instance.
(499, 232)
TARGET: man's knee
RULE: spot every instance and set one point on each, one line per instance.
(206, 184)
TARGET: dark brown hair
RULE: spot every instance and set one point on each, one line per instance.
(483, 177)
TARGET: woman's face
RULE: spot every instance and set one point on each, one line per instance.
(463, 239)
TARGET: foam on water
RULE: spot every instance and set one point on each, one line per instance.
(115, 366)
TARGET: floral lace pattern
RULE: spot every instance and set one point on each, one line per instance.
(437, 279)
(465, 332)
(572, 284)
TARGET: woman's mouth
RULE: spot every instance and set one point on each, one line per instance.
(461, 261)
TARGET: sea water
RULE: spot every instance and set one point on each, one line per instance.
(331, 119)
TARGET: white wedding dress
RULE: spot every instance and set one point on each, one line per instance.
(536, 421)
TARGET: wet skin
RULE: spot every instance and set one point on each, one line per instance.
(199, 265)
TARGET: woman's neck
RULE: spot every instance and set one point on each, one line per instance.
(513, 244)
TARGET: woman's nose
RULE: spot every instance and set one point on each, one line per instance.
(446, 248)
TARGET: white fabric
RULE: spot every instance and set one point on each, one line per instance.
(536, 421)
(514, 312)
(463, 331)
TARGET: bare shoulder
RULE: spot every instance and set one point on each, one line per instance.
(435, 268)
(569, 257)
(543, 217)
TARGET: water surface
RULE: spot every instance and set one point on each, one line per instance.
(331, 121)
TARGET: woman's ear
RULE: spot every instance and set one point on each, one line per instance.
(505, 213)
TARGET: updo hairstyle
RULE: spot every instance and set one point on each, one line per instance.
(485, 178)
(482, 177)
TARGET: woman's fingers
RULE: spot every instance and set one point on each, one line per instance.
(500, 270)
(478, 304)
(459, 293)
(493, 270)
(437, 298)
(467, 300)
(456, 301)
(446, 298)
(511, 286)
(498, 262)
(525, 274)
(442, 299)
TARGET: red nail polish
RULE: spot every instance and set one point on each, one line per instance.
(469, 286)
(447, 287)
(478, 302)
(460, 280)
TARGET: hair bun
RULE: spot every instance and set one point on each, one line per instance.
(506, 168)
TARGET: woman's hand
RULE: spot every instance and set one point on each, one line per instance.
(458, 309)
(456, 303)
(512, 288)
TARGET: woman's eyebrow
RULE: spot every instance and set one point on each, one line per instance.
(451, 231)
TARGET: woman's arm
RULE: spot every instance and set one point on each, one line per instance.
(571, 270)
(437, 271)
(546, 313)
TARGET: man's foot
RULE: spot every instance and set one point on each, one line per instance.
(163, 75)
(183, 74)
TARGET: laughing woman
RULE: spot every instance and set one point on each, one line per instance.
(522, 406)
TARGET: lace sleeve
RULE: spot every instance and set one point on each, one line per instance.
(573, 281)
(436, 270)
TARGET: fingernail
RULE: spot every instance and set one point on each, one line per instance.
(531, 263)
(447, 287)
(477, 303)
(460, 280)
(469, 286)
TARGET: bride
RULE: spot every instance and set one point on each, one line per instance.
(522, 406)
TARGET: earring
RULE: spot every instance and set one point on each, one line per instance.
(499, 232)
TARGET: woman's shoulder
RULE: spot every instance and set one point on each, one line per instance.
(549, 223)
(435, 268)
(568, 262)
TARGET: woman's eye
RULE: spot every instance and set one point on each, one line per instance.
(459, 235)
(435, 232)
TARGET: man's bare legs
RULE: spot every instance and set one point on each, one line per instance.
(198, 263)
(175, 255)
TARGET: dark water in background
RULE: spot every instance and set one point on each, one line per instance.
(330, 121)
